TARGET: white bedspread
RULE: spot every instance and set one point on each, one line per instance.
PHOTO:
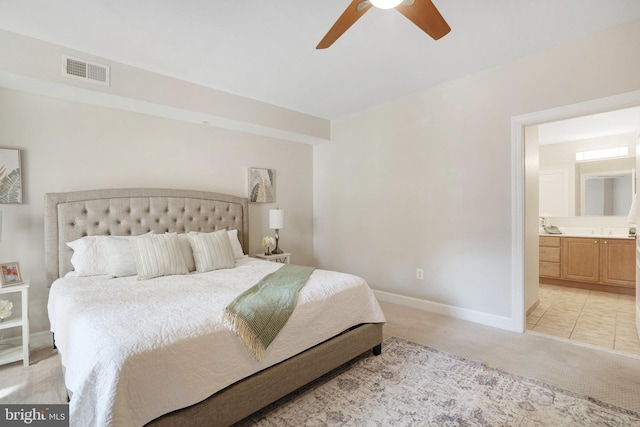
(135, 350)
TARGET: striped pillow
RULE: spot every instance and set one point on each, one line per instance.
(158, 255)
(212, 251)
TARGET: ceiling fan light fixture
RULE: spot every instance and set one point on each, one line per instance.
(385, 4)
(422, 13)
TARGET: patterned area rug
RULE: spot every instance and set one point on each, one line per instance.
(413, 385)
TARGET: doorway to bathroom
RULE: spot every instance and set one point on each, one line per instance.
(585, 316)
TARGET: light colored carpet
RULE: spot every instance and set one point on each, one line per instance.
(603, 374)
(39, 383)
(414, 385)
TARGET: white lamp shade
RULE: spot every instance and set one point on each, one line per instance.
(276, 219)
(385, 4)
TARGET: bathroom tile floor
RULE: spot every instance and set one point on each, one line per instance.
(598, 318)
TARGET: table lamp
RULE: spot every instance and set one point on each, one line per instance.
(276, 222)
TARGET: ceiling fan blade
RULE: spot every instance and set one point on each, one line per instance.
(356, 9)
(425, 15)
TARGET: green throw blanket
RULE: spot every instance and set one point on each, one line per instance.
(259, 313)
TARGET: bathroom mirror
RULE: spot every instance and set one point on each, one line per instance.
(605, 187)
(606, 193)
(563, 190)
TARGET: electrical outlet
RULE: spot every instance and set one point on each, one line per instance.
(419, 273)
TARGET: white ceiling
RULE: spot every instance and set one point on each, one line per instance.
(265, 50)
(617, 122)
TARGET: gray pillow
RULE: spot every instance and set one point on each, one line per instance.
(187, 253)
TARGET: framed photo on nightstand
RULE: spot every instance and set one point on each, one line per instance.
(10, 274)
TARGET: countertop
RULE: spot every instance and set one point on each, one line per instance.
(604, 233)
(591, 232)
(599, 236)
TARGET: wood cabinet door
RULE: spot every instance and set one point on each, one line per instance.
(618, 265)
(549, 254)
(549, 269)
(550, 241)
(581, 259)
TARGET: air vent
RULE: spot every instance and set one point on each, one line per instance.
(85, 70)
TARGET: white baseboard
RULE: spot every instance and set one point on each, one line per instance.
(41, 339)
(488, 319)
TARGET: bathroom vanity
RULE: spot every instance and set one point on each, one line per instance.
(597, 263)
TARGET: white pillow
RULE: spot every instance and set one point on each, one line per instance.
(212, 251)
(89, 256)
(187, 253)
(235, 244)
(158, 255)
(120, 259)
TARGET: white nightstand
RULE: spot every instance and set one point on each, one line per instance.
(284, 258)
(20, 352)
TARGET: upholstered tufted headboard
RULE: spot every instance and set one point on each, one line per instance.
(125, 212)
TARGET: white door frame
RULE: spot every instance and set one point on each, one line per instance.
(518, 123)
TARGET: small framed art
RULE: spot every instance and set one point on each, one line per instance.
(10, 274)
(261, 189)
(10, 176)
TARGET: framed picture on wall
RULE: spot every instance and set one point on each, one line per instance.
(261, 189)
(10, 274)
(10, 176)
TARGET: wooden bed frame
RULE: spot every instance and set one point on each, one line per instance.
(121, 212)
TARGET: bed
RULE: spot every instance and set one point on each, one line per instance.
(154, 352)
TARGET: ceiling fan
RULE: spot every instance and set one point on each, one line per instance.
(423, 13)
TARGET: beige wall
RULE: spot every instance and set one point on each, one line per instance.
(70, 146)
(563, 154)
(35, 66)
(425, 181)
(144, 130)
(421, 182)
